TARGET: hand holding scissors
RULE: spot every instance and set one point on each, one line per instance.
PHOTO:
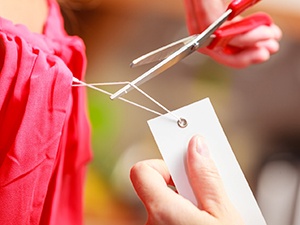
(256, 45)
(213, 37)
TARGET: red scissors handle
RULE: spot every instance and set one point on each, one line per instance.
(238, 6)
(224, 34)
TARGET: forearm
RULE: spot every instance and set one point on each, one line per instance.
(201, 13)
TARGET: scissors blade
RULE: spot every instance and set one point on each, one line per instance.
(175, 57)
(162, 53)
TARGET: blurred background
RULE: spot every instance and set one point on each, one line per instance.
(258, 107)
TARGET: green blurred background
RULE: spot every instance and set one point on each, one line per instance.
(256, 106)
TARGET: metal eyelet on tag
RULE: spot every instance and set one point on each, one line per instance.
(182, 123)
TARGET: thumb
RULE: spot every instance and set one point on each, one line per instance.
(204, 178)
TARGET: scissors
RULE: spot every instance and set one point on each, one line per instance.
(213, 37)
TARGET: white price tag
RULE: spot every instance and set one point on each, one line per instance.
(172, 142)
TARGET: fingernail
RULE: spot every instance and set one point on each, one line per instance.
(201, 147)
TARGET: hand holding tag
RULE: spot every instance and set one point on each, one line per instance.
(173, 140)
(151, 179)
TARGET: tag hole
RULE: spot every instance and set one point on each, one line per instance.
(182, 123)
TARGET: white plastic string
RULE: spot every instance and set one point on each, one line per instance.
(92, 86)
(156, 102)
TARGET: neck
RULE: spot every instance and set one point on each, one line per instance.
(31, 13)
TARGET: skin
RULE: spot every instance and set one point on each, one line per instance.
(31, 13)
(164, 206)
(257, 45)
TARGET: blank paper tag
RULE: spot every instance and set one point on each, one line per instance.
(172, 142)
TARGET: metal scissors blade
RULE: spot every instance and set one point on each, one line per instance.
(192, 44)
(162, 53)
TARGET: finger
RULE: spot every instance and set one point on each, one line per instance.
(164, 206)
(277, 31)
(271, 46)
(147, 175)
(205, 179)
(259, 34)
(151, 180)
(244, 58)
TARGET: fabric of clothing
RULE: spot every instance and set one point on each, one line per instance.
(44, 130)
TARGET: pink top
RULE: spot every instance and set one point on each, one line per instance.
(44, 131)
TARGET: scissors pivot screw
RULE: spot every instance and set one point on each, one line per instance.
(195, 46)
